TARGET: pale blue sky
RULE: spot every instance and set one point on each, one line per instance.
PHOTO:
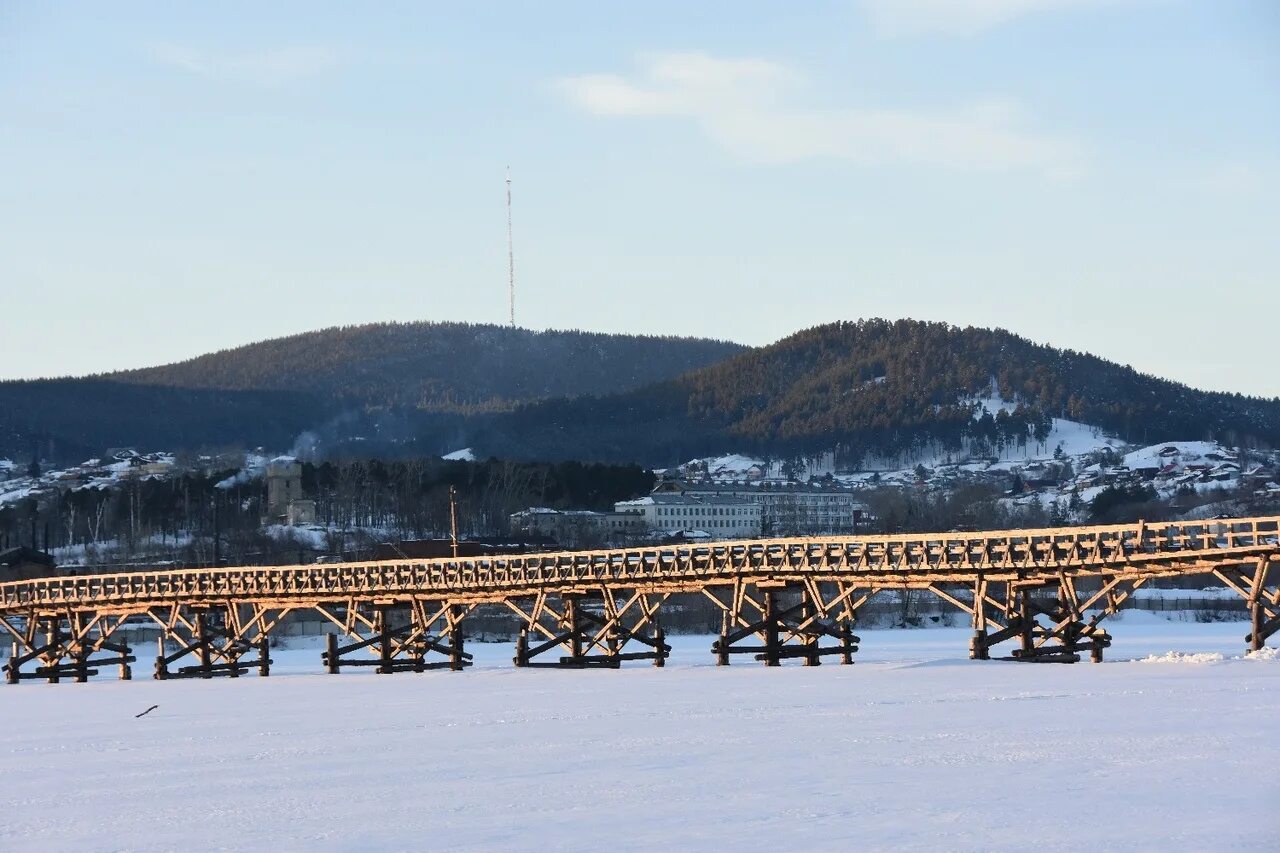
(1099, 174)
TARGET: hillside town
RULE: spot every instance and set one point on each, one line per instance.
(715, 498)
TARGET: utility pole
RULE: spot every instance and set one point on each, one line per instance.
(511, 256)
(453, 520)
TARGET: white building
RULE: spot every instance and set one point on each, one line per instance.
(785, 509)
(718, 516)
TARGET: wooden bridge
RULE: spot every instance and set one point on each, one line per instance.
(1044, 591)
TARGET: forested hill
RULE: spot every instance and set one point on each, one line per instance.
(441, 367)
(868, 388)
(370, 378)
(879, 387)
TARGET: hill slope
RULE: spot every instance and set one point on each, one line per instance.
(878, 387)
(267, 393)
(441, 366)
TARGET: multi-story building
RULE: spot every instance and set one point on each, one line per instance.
(577, 526)
(285, 504)
(721, 517)
(786, 509)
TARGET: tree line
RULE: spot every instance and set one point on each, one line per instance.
(197, 516)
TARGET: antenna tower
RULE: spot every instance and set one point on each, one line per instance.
(511, 256)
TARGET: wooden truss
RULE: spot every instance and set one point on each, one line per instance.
(398, 635)
(590, 628)
(1047, 619)
(217, 635)
(65, 645)
(788, 621)
(1260, 588)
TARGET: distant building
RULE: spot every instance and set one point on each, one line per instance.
(721, 517)
(574, 526)
(22, 563)
(285, 504)
(786, 509)
(427, 549)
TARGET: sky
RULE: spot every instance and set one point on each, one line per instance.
(1101, 175)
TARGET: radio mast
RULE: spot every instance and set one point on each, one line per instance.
(511, 255)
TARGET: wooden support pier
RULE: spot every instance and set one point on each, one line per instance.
(398, 636)
(590, 628)
(792, 629)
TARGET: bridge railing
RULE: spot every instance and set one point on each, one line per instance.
(1009, 550)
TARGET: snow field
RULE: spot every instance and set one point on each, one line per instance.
(915, 747)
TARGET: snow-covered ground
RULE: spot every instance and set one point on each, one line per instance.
(915, 747)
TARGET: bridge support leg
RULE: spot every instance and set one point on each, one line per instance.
(592, 629)
(53, 648)
(787, 622)
(772, 652)
(1260, 589)
(721, 646)
(218, 636)
(458, 658)
(978, 646)
(384, 640)
(398, 636)
(1008, 611)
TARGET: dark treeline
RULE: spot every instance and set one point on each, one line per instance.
(177, 517)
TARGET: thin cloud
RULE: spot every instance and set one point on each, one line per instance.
(892, 18)
(745, 106)
(270, 67)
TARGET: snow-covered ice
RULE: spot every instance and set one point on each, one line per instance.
(915, 747)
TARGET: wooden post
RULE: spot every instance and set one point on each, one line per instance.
(660, 638)
(384, 640)
(53, 637)
(81, 657)
(574, 625)
(12, 669)
(1257, 614)
(722, 648)
(206, 658)
(264, 656)
(846, 643)
(455, 639)
(522, 647)
(1026, 620)
(331, 653)
(811, 658)
(162, 668)
(771, 639)
(978, 647)
(1256, 620)
(126, 671)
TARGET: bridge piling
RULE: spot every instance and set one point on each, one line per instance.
(785, 630)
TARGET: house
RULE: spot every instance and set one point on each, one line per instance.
(22, 564)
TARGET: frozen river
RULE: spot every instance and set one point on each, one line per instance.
(914, 747)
